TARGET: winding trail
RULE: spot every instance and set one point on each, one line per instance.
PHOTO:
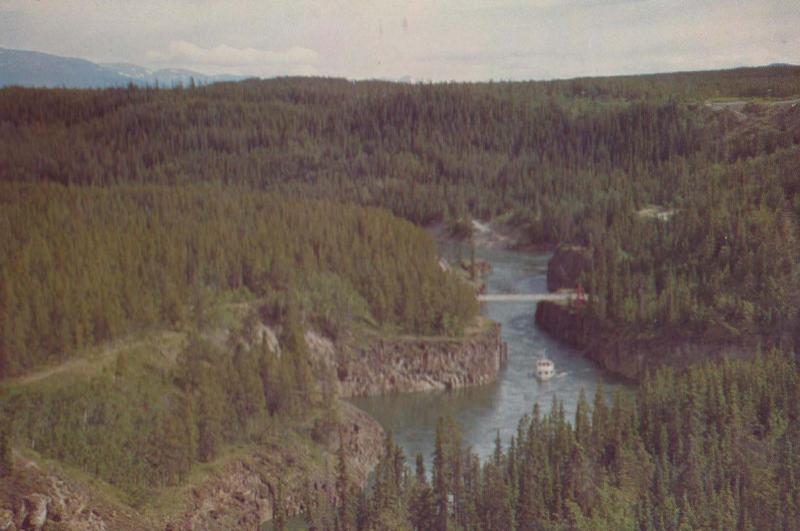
(165, 341)
(95, 358)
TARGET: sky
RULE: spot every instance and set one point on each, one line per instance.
(436, 40)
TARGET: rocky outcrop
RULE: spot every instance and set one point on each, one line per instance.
(34, 497)
(242, 495)
(565, 268)
(36, 509)
(633, 356)
(406, 365)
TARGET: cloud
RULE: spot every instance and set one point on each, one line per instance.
(295, 60)
(442, 40)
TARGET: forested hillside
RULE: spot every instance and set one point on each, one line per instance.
(426, 152)
(141, 310)
(711, 449)
(727, 256)
(84, 265)
(158, 411)
(567, 161)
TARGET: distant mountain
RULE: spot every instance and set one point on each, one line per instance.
(35, 69)
(166, 76)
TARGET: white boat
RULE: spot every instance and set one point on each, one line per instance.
(545, 369)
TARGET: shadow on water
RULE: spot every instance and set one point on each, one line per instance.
(483, 411)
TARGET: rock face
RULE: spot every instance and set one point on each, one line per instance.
(406, 365)
(633, 357)
(34, 497)
(242, 495)
(566, 266)
(7, 520)
(37, 511)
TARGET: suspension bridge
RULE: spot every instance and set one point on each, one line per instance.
(525, 297)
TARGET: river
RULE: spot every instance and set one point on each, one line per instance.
(484, 410)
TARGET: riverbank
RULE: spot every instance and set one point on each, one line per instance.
(633, 355)
(242, 494)
(492, 235)
(238, 488)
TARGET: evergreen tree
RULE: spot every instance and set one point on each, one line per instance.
(422, 513)
(6, 457)
(209, 418)
(583, 429)
(441, 489)
(278, 508)
(345, 519)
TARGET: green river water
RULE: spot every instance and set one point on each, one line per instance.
(484, 410)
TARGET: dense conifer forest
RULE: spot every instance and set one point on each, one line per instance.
(715, 448)
(84, 265)
(569, 161)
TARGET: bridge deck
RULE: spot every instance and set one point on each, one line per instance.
(525, 297)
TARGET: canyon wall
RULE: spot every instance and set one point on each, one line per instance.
(242, 495)
(402, 365)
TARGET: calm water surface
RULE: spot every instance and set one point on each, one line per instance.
(482, 411)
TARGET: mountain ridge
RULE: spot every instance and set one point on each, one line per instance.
(28, 68)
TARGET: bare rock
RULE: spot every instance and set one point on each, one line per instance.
(7, 520)
(241, 495)
(36, 505)
(410, 365)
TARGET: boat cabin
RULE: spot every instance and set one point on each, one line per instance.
(545, 369)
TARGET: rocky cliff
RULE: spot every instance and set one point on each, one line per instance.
(241, 496)
(632, 356)
(39, 497)
(405, 365)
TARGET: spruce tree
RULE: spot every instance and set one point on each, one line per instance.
(344, 507)
(583, 428)
(441, 491)
(279, 508)
(6, 457)
(421, 506)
